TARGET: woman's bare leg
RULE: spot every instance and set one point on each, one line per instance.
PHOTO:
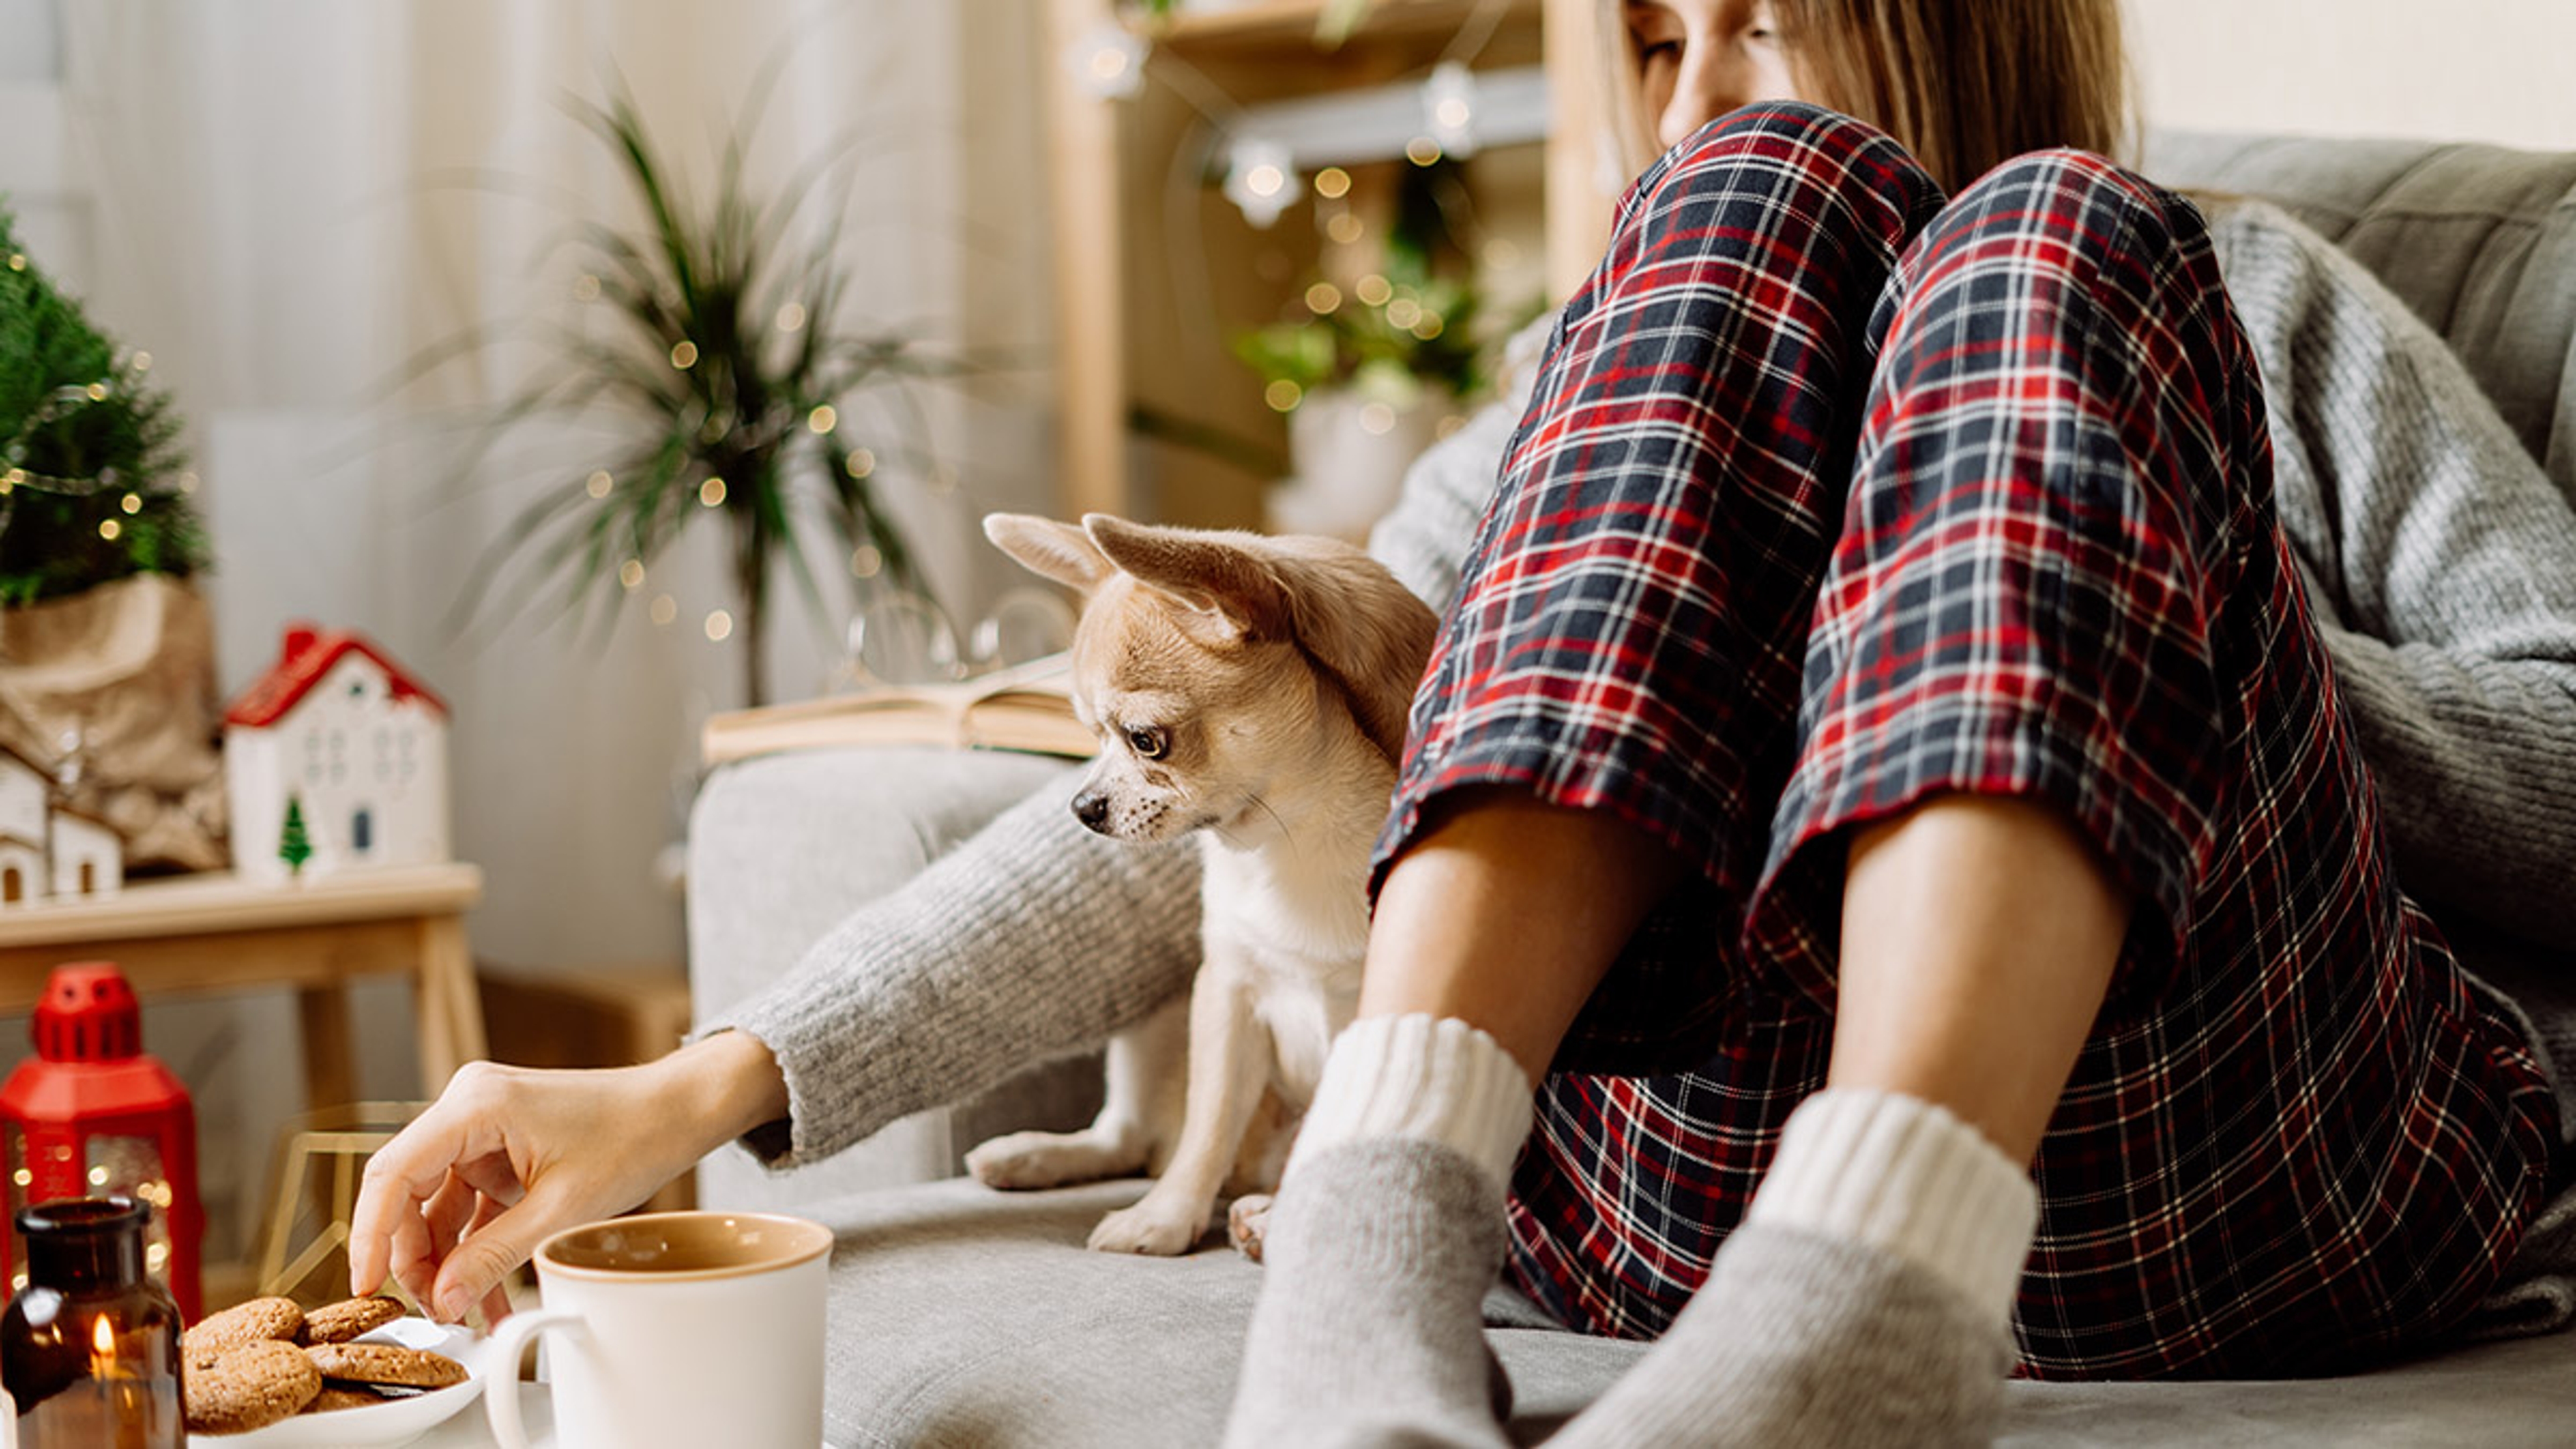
(1979, 933)
(1507, 914)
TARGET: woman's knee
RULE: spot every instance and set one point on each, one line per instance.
(1793, 154)
(2093, 212)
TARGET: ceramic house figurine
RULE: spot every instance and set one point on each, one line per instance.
(88, 858)
(25, 796)
(336, 759)
(46, 850)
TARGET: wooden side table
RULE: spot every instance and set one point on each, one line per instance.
(213, 933)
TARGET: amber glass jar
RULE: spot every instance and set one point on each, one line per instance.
(89, 1348)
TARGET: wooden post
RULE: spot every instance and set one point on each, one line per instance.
(1578, 207)
(1090, 328)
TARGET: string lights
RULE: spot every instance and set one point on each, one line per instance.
(1452, 112)
(1107, 62)
(1260, 179)
(68, 402)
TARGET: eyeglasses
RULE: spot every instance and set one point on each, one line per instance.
(903, 638)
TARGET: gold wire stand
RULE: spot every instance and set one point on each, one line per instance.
(324, 1149)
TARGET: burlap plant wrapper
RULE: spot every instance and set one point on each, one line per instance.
(128, 671)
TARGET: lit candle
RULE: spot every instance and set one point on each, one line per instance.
(120, 1404)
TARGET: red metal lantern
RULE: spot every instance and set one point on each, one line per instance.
(92, 1115)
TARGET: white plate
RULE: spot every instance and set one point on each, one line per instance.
(378, 1426)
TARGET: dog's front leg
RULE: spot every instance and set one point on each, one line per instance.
(1140, 1118)
(1229, 1066)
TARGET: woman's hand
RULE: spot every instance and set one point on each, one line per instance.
(509, 1155)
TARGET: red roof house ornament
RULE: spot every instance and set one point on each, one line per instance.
(354, 742)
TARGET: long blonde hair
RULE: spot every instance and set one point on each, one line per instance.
(1963, 84)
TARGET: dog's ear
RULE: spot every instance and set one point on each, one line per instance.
(1059, 551)
(1217, 574)
(1356, 622)
(1335, 603)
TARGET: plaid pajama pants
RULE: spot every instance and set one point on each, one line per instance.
(1834, 495)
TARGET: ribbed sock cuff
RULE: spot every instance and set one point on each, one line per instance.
(1904, 1175)
(1435, 1079)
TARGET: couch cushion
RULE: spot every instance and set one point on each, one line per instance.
(781, 848)
(2479, 240)
(963, 1316)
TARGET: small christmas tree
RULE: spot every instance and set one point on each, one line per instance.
(91, 487)
(293, 845)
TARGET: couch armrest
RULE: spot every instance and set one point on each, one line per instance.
(781, 848)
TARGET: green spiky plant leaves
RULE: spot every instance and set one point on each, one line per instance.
(91, 482)
(729, 372)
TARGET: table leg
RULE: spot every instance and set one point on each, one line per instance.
(330, 1060)
(451, 1015)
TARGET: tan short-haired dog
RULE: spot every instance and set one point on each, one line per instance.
(1254, 689)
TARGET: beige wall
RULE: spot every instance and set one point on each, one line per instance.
(2493, 70)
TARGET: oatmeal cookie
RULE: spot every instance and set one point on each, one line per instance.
(386, 1363)
(249, 1387)
(339, 1322)
(344, 1396)
(217, 1334)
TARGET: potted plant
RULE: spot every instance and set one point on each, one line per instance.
(1368, 373)
(727, 367)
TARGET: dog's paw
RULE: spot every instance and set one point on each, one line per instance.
(1028, 1160)
(1149, 1228)
(1245, 1222)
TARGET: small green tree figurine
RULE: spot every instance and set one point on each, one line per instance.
(293, 845)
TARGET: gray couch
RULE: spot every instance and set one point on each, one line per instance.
(962, 1316)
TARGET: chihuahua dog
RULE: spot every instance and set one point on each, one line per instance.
(1253, 690)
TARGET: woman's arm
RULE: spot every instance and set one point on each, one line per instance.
(2442, 564)
(1032, 939)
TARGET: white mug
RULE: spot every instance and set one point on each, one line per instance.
(675, 1331)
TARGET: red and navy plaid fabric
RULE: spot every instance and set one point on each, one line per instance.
(1834, 495)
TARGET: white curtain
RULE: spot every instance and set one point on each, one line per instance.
(294, 197)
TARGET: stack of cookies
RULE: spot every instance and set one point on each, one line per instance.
(254, 1364)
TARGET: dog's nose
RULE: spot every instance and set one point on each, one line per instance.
(1092, 809)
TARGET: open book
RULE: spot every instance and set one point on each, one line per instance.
(1026, 707)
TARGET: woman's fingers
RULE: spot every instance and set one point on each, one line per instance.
(413, 1260)
(475, 1269)
(465, 1134)
(401, 1178)
(496, 1304)
(447, 1213)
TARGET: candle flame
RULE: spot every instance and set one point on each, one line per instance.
(102, 1349)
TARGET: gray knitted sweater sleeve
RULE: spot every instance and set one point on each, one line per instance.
(2441, 564)
(1032, 939)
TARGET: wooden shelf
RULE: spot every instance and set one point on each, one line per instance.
(222, 901)
(1147, 280)
(1276, 25)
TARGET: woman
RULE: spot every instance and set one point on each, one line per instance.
(1883, 748)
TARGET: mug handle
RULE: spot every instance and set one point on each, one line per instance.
(501, 1355)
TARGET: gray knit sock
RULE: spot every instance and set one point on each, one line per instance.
(1369, 1330)
(1867, 1300)
(1800, 1340)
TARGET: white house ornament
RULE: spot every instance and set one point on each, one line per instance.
(359, 746)
(47, 850)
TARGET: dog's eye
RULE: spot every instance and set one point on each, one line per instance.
(1148, 741)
